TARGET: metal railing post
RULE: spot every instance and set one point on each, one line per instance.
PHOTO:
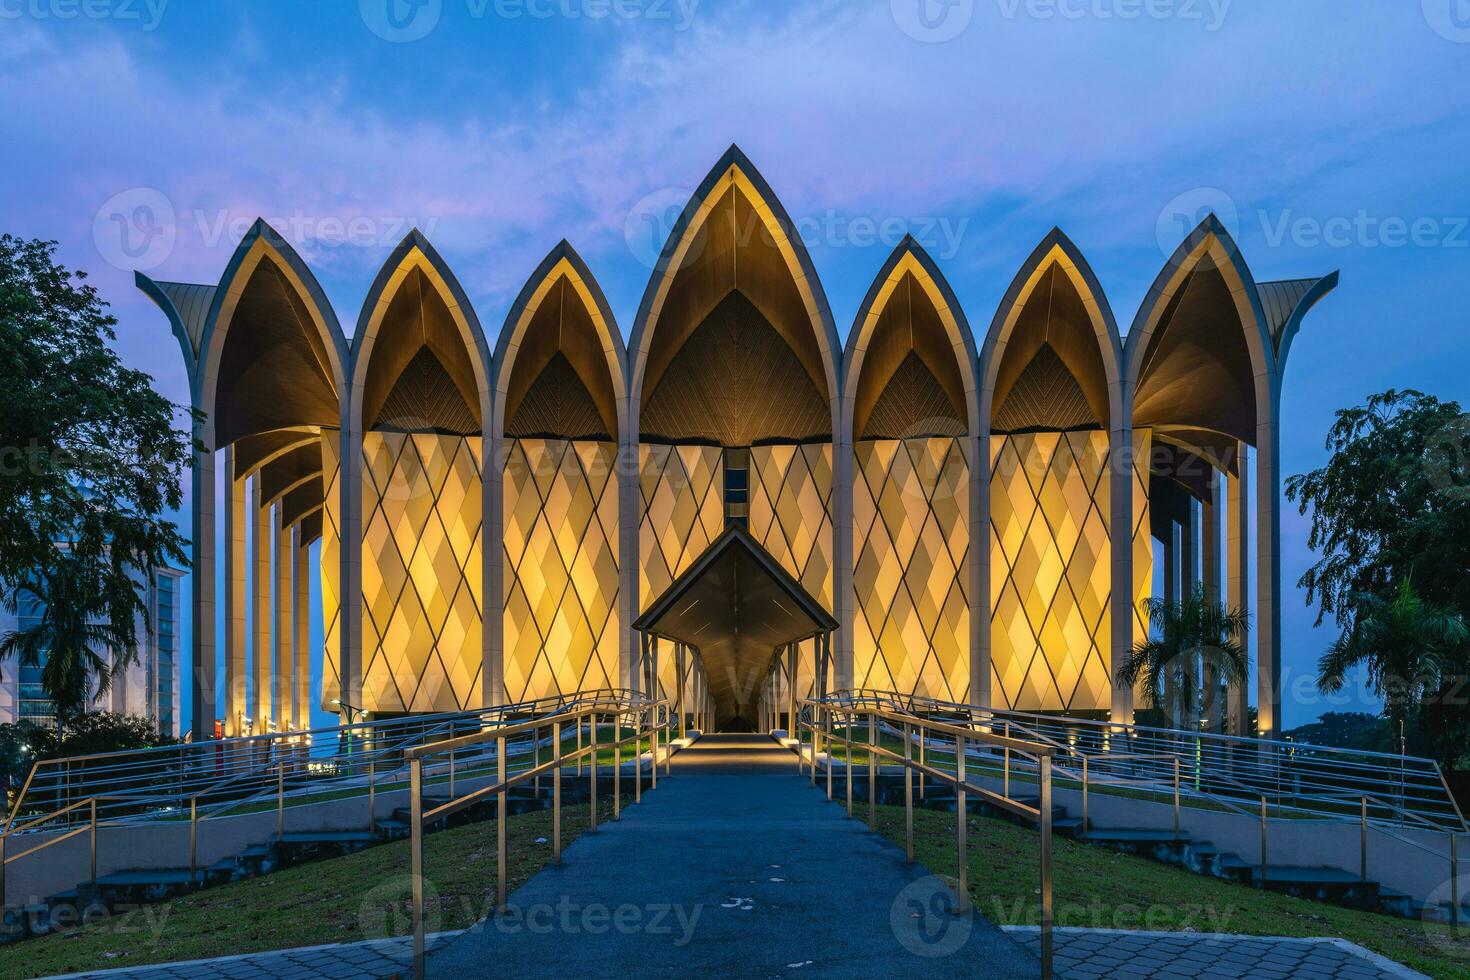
(1176, 798)
(652, 715)
(372, 798)
(1363, 844)
(1454, 886)
(579, 746)
(908, 795)
(922, 752)
(1006, 785)
(416, 860)
(501, 857)
(1046, 910)
(816, 745)
(872, 770)
(617, 767)
(556, 792)
(193, 836)
(280, 800)
(94, 841)
(638, 757)
(451, 774)
(536, 760)
(592, 774)
(1084, 795)
(847, 754)
(668, 745)
(1263, 842)
(827, 722)
(962, 870)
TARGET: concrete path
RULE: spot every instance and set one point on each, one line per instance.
(734, 866)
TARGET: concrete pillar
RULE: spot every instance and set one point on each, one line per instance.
(630, 517)
(260, 600)
(282, 633)
(1237, 585)
(1120, 541)
(982, 694)
(202, 697)
(349, 629)
(300, 631)
(236, 605)
(492, 553)
(843, 547)
(1210, 576)
(1268, 576)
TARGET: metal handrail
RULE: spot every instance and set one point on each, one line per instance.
(815, 716)
(1307, 779)
(652, 718)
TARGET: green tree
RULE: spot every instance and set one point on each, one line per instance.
(90, 462)
(1391, 503)
(1190, 639)
(1411, 648)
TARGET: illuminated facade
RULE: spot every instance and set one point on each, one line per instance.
(486, 518)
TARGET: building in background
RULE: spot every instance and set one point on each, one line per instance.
(147, 688)
(981, 515)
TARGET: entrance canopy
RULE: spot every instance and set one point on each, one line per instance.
(737, 607)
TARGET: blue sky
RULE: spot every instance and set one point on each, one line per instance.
(1329, 135)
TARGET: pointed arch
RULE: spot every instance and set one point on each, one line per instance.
(415, 264)
(1205, 294)
(733, 215)
(272, 353)
(1055, 262)
(910, 273)
(520, 356)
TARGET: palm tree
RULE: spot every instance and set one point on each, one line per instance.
(1409, 646)
(1192, 637)
(69, 641)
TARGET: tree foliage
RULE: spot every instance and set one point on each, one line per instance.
(1390, 504)
(90, 462)
(1194, 641)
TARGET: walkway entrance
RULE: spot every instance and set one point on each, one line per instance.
(734, 611)
(736, 866)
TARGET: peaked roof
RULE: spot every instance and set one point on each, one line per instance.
(737, 605)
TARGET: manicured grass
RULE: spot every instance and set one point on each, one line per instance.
(359, 896)
(1094, 887)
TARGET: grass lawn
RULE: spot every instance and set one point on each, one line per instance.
(360, 896)
(1098, 888)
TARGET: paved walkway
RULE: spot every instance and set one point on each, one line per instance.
(734, 867)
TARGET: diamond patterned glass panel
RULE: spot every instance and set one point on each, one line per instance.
(561, 567)
(683, 511)
(1051, 576)
(911, 540)
(791, 511)
(421, 615)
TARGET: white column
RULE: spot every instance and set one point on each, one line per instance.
(1210, 573)
(492, 548)
(349, 629)
(1237, 588)
(300, 630)
(260, 598)
(1268, 577)
(1120, 536)
(235, 602)
(202, 586)
(282, 633)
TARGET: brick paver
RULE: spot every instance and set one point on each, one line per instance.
(1083, 954)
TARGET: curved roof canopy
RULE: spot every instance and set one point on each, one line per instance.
(1051, 357)
(559, 362)
(734, 342)
(909, 370)
(419, 357)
